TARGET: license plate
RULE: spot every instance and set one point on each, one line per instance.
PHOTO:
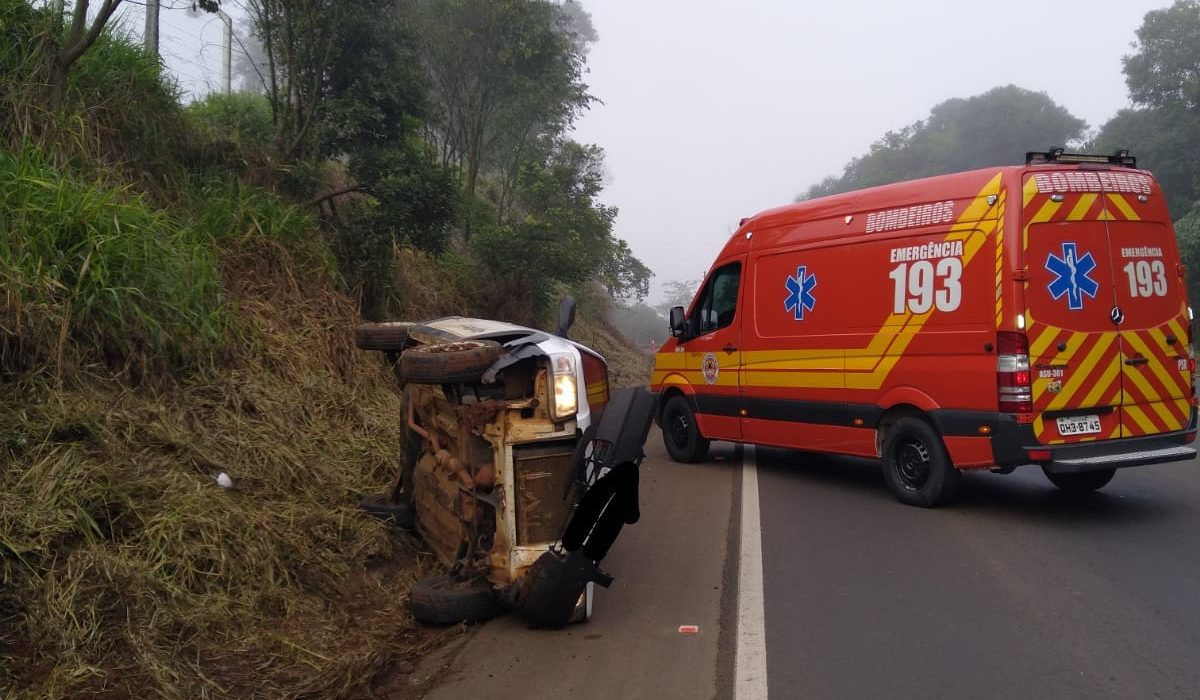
(1078, 425)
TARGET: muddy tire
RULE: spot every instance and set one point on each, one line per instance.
(449, 363)
(1082, 482)
(388, 337)
(680, 432)
(381, 506)
(440, 600)
(916, 465)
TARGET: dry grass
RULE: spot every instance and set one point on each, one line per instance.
(128, 572)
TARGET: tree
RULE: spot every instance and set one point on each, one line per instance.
(559, 233)
(1163, 77)
(78, 40)
(678, 293)
(995, 128)
(1164, 72)
(503, 73)
(1164, 140)
(300, 37)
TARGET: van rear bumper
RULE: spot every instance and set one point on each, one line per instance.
(1011, 443)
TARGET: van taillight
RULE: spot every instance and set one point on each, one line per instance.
(1013, 379)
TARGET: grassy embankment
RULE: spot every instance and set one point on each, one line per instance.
(161, 322)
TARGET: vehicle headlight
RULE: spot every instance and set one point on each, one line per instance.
(566, 396)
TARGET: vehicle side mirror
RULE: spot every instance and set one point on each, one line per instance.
(678, 322)
(566, 315)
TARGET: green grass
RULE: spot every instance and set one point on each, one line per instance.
(98, 274)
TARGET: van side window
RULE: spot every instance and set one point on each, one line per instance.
(718, 301)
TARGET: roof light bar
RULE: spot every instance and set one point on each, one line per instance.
(1056, 154)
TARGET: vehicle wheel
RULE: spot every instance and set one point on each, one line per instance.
(680, 432)
(916, 466)
(382, 336)
(440, 600)
(1081, 482)
(381, 506)
(449, 363)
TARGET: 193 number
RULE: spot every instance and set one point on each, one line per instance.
(921, 286)
(1146, 278)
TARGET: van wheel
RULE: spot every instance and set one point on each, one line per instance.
(916, 466)
(680, 432)
(1081, 482)
(449, 363)
(382, 336)
(441, 600)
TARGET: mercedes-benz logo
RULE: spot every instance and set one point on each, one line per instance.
(1116, 315)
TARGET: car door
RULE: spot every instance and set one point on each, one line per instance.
(713, 352)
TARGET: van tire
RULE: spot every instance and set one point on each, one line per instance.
(680, 432)
(449, 363)
(1081, 482)
(442, 600)
(388, 337)
(916, 466)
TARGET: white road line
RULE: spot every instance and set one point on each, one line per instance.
(750, 670)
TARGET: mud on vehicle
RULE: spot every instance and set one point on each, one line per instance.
(519, 469)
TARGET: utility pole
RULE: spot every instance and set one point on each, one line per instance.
(151, 33)
(225, 59)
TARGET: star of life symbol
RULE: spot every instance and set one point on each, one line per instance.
(800, 293)
(1073, 276)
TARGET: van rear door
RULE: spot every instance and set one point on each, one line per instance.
(1075, 351)
(1151, 303)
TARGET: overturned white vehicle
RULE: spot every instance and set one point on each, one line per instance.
(519, 468)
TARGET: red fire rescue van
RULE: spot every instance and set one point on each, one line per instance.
(1015, 315)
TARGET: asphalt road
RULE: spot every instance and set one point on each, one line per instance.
(1015, 591)
(669, 569)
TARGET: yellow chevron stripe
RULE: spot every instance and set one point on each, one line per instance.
(1042, 342)
(1105, 382)
(1152, 397)
(1135, 413)
(1080, 210)
(1159, 371)
(1116, 431)
(1044, 214)
(1121, 203)
(1081, 371)
(1028, 192)
(1000, 257)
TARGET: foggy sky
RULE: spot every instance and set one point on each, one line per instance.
(716, 110)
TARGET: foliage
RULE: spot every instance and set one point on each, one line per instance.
(1164, 70)
(300, 38)
(99, 273)
(564, 234)
(1163, 76)
(678, 293)
(503, 73)
(244, 118)
(1187, 231)
(1164, 140)
(994, 128)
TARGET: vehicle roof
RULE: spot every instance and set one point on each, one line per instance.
(953, 186)
(466, 328)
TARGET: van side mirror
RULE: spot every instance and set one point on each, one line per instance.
(678, 322)
(566, 315)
